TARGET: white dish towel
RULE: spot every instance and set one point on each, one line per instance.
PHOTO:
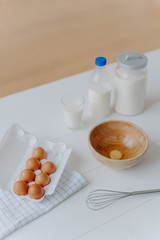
(16, 213)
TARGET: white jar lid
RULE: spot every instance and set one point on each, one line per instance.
(132, 60)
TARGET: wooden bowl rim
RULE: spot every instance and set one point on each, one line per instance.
(120, 121)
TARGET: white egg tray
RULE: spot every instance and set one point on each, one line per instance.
(16, 147)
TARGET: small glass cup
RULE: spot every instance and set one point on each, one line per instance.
(73, 105)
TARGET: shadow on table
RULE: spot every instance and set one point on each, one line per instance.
(151, 157)
(150, 102)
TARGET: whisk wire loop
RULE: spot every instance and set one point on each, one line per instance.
(100, 198)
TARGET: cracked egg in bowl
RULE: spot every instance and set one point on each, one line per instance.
(118, 144)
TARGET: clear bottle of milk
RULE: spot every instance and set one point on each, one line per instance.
(99, 91)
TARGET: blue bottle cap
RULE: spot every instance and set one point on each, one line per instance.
(101, 61)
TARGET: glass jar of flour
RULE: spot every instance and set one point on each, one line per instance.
(130, 83)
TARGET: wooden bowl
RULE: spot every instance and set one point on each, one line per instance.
(126, 137)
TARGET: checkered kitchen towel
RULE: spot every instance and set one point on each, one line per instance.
(16, 213)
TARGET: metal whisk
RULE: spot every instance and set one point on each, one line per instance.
(101, 198)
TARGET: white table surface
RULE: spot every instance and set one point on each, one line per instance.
(39, 111)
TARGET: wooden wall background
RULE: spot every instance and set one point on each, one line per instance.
(45, 40)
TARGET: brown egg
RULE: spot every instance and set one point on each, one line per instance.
(43, 179)
(33, 164)
(20, 188)
(36, 191)
(48, 167)
(27, 175)
(39, 153)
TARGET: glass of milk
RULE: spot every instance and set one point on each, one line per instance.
(73, 105)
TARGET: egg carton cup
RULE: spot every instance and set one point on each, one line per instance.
(16, 148)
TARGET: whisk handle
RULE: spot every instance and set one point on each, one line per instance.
(145, 191)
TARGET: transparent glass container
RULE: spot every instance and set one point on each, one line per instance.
(130, 88)
(99, 91)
